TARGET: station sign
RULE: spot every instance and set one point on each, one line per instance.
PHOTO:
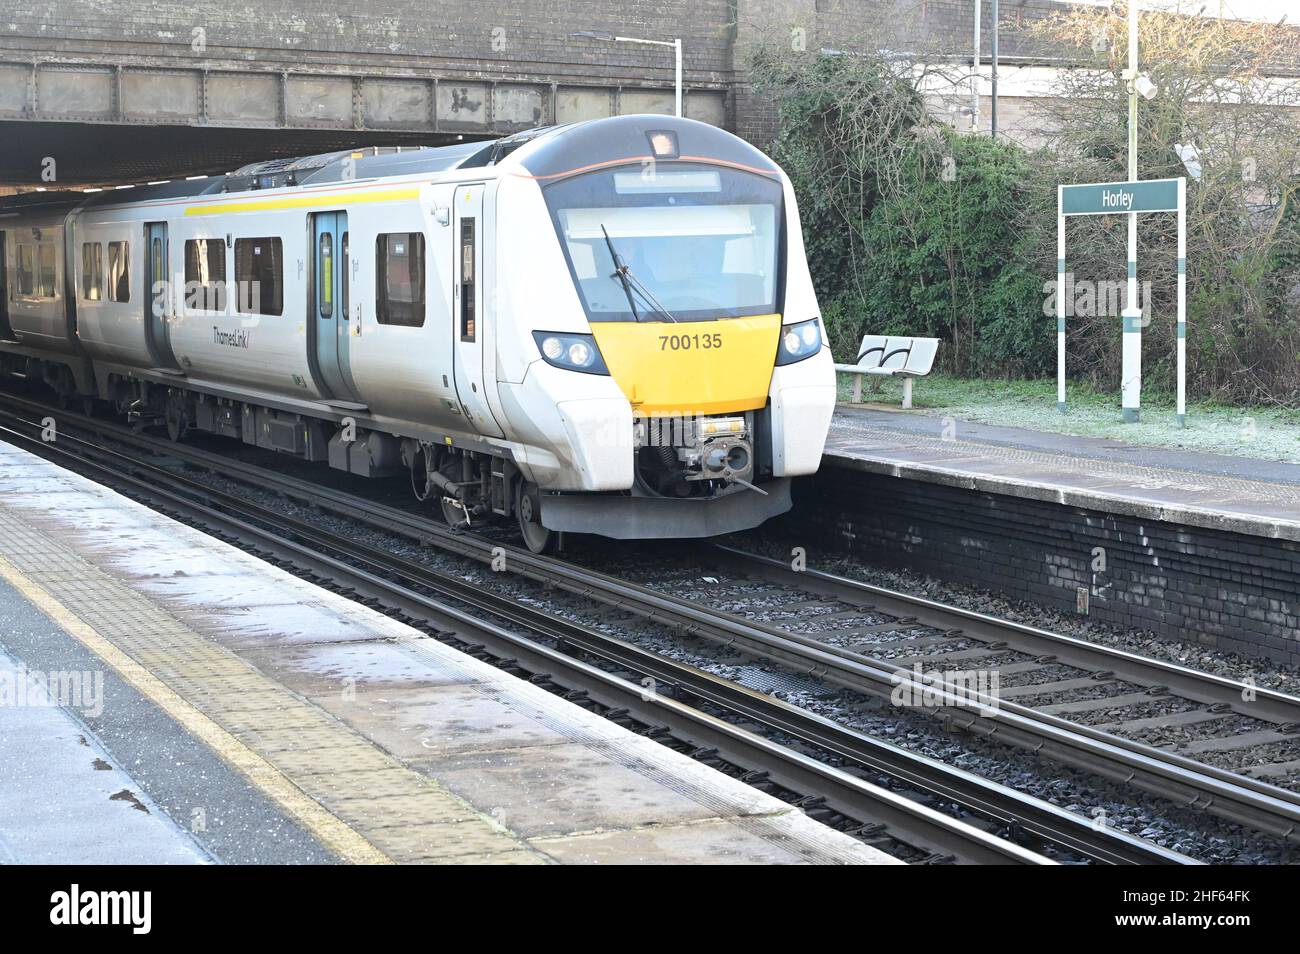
(1112, 198)
(1129, 199)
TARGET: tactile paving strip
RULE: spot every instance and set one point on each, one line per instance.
(574, 787)
(404, 815)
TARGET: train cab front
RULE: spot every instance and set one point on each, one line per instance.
(699, 310)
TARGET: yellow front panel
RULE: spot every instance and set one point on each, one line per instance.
(691, 367)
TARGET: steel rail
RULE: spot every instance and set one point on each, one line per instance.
(1185, 781)
(1244, 699)
(906, 819)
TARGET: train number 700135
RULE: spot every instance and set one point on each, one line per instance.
(708, 342)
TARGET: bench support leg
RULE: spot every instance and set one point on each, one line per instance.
(907, 392)
(857, 389)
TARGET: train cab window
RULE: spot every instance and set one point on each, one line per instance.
(92, 271)
(467, 281)
(399, 273)
(25, 286)
(47, 273)
(702, 243)
(259, 273)
(205, 274)
(119, 271)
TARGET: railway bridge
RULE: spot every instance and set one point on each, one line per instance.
(121, 91)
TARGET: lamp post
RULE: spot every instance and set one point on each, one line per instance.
(993, 91)
(675, 44)
(975, 75)
(1131, 371)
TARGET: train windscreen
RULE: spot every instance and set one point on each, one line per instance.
(670, 241)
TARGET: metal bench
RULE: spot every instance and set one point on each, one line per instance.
(906, 358)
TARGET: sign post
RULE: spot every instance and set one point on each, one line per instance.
(1129, 198)
(1182, 302)
(1060, 299)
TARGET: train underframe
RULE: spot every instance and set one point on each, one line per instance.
(689, 484)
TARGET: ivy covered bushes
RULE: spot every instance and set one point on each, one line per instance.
(952, 249)
(913, 228)
(910, 227)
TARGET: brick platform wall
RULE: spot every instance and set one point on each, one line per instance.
(1222, 590)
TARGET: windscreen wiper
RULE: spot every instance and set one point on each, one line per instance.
(633, 284)
(651, 299)
(620, 272)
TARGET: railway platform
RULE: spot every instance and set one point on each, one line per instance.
(1192, 547)
(1238, 494)
(168, 698)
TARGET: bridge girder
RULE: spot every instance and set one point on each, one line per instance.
(107, 123)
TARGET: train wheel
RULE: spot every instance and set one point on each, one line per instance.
(451, 511)
(528, 508)
(178, 421)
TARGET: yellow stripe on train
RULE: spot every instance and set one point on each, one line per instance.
(304, 201)
(691, 367)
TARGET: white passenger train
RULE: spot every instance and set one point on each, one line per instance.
(606, 327)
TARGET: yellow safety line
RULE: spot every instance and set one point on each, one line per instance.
(303, 201)
(325, 827)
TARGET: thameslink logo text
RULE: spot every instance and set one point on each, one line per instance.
(75, 906)
(230, 339)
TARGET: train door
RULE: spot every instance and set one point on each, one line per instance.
(158, 303)
(6, 333)
(467, 308)
(331, 325)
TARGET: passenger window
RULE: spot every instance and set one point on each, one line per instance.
(48, 258)
(326, 273)
(205, 274)
(467, 282)
(259, 272)
(26, 271)
(119, 271)
(347, 270)
(92, 271)
(399, 279)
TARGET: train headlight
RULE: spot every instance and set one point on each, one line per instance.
(573, 352)
(798, 341)
(581, 354)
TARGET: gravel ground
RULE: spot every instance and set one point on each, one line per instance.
(1199, 835)
(1235, 666)
(1263, 673)
(704, 582)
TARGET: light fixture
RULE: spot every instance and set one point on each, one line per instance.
(1191, 158)
(664, 143)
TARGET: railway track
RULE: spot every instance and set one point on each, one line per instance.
(701, 710)
(1181, 778)
(1111, 697)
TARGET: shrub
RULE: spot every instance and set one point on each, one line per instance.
(910, 228)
